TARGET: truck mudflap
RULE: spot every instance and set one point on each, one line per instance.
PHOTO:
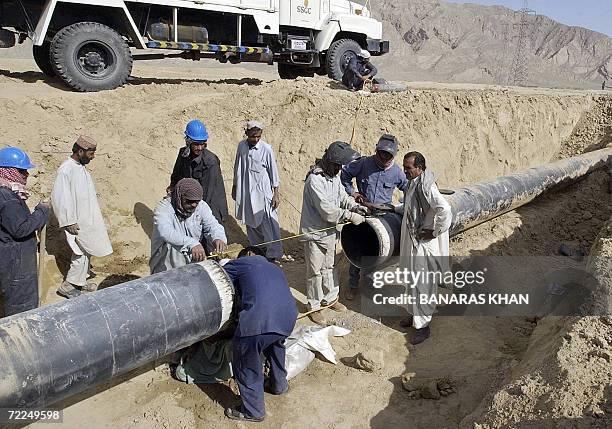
(378, 47)
(206, 47)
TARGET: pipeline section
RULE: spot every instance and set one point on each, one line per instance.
(51, 353)
(374, 242)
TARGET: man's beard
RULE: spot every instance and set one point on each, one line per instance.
(84, 160)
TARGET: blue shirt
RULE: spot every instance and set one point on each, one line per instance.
(265, 302)
(374, 183)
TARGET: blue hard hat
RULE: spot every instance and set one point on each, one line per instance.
(196, 130)
(14, 157)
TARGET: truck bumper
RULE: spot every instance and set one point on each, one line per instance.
(378, 47)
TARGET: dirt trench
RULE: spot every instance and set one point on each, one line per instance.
(468, 134)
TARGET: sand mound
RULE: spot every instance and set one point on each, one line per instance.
(564, 378)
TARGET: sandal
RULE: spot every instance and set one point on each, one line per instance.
(236, 414)
(69, 294)
(89, 287)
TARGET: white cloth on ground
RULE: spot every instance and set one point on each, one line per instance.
(303, 341)
(424, 208)
(173, 237)
(74, 200)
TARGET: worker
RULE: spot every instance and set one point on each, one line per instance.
(208, 362)
(75, 205)
(255, 191)
(325, 205)
(358, 71)
(424, 244)
(377, 176)
(266, 316)
(182, 221)
(18, 274)
(195, 160)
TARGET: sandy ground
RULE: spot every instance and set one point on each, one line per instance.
(468, 133)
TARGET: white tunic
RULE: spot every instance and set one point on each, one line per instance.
(255, 174)
(74, 200)
(418, 255)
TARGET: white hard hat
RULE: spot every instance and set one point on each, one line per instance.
(364, 54)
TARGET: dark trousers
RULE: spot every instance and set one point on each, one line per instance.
(354, 275)
(18, 277)
(248, 369)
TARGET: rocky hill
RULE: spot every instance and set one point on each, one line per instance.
(437, 41)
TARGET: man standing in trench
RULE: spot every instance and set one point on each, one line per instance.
(181, 222)
(196, 161)
(326, 204)
(424, 239)
(75, 205)
(255, 191)
(18, 274)
(377, 176)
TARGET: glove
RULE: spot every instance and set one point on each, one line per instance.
(355, 218)
(362, 210)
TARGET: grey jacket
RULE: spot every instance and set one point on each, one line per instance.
(325, 204)
(173, 238)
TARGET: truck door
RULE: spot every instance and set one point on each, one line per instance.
(305, 13)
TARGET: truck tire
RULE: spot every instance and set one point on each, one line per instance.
(42, 57)
(287, 71)
(89, 56)
(338, 56)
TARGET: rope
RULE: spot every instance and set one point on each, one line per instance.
(218, 255)
(355, 120)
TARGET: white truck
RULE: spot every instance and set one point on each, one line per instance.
(91, 44)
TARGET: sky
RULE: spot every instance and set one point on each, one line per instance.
(592, 14)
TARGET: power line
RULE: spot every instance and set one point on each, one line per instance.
(526, 19)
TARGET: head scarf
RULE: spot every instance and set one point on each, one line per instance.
(189, 189)
(254, 124)
(12, 179)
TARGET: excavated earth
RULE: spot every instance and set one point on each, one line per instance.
(506, 371)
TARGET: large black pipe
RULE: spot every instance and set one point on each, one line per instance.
(54, 352)
(374, 242)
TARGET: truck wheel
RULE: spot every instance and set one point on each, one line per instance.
(91, 57)
(338, 56)
(288, 71)
(42, 58)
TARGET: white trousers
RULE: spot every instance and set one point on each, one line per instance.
(321, 277)
(79, 269)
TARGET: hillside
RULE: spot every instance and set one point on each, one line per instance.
(446, 42)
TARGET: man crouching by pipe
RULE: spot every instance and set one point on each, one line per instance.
(325, 205)
(265, 316)
(424, 240)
